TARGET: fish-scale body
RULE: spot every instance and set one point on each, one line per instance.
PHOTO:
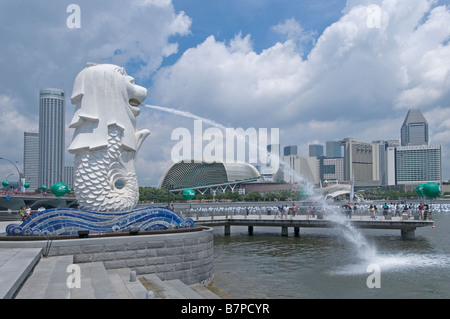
(103, 181)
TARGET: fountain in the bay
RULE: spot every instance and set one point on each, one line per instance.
(104, 144)
(364, 249)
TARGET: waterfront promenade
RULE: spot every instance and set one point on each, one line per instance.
(407, 226)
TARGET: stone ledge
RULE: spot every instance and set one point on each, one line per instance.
(187, 256)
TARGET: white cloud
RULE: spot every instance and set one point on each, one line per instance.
(39, 50)
(12, 125)
(295, 32)
(359, 79)
(220, 79)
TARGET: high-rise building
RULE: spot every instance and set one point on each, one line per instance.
(69, 173)
(300, 169)
(361, 162)
(51, 135)
(334, 149)
(386, 160)
(414, 130)
(315, 150)
(31, 159)
(290, 150)
(331, 169)
(418, 164)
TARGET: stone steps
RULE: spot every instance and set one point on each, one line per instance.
(175, 289)
(124, 287)
(25, 275)
(15, 266)
(95, 283)
(48, 279)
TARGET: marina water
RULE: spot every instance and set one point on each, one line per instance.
(322, 264)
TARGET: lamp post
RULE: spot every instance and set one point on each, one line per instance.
(18, 172)
(169, 187)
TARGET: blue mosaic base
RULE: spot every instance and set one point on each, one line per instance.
(68, 221)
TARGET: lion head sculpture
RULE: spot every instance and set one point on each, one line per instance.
(105, 140)
(105, 95)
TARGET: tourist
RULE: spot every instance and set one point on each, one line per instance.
(426, 213)
(385, 210)
(348, 209)
(309, 211)
(22, 213)
(391, 208)
(285, 211)
(354, 209)
(406, 210)
(421, 210)
(28, 211)
(375, 209)
(397, 210)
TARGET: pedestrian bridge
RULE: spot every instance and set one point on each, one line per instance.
(15, 202)
(407, 226)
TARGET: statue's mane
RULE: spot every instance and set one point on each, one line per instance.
(101, 94)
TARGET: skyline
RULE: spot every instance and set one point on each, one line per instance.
(297, 66)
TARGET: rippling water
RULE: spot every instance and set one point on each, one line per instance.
(325, 263)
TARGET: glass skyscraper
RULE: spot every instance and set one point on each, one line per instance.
(31, 159)
(414, 130)
(315, 150)
(418, 164)
(416, 161)
(51, 136)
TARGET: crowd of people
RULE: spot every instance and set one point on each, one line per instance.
(421, 210)
(283, 210)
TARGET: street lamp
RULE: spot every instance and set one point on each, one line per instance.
(169, 187)
(20, 174)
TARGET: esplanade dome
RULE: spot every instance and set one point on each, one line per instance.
(198, 174)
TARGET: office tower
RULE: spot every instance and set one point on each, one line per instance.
(69, 173)
(315, 150)
(331, 169)
(290, 150)
(414, 130)
(301, 169)
(334, 149)
(418, 164)
(361, 162)
(31, 159)
(386, 160)
(51, 136)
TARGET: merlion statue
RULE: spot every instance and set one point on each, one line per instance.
(105, 140)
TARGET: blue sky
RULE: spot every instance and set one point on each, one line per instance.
(225, 19)
(317, 70)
